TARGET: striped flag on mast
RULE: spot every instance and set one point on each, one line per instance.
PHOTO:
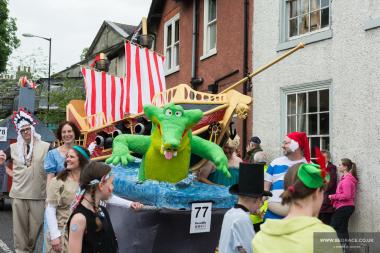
(113, 96)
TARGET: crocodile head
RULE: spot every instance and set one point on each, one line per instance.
(171, 131)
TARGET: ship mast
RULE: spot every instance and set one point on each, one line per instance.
(299, 46)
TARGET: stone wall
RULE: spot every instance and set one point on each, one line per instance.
(350, 60)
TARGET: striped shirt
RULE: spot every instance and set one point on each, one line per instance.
(275, 174)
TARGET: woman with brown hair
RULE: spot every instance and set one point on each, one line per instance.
(67, 133)
(89, 227)
(60, 195)
(304, 186)
(344, 198)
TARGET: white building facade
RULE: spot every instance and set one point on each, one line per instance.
(330, 89)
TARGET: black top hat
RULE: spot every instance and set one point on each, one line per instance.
(251, 181)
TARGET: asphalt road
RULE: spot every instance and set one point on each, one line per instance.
(6, 231)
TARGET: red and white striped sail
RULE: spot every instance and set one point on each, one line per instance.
(104, 94)
(115, 96)
(144, 77)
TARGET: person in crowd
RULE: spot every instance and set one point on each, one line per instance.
(237, 230)
(28, 191)
(67, 133)
(253, 147)
(327, 209)
(60, 194)
(89, 227)
(304, 186)
(296, 150)
(344, 199)
(258, 218)
(208, 173)
(2, 156)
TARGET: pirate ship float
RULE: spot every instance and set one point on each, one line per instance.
(218, 110)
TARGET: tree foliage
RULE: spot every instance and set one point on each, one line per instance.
(84, 53)
(36, 60)
(8, 38)
(59, 97)
(71, 89)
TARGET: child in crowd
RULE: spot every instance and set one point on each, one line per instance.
(258, 218)
(344, 199)
(237, 230)
(304, 187)
(89, 227)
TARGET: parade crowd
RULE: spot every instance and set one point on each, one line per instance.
(289, 200)
(60, 192)
(280, 204)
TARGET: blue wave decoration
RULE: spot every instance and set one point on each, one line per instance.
(168, 195)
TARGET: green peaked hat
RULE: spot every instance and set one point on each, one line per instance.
(312, 176)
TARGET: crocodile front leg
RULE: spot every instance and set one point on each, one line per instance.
(123, 144)
(212, 152)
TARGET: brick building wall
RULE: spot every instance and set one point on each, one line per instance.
(229, 46)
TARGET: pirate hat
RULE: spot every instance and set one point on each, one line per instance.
(251, 181)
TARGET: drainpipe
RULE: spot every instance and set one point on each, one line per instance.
(195, 81)
(245, 68)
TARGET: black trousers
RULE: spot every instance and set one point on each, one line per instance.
(339, 222)
(256, 227)
(325, 217)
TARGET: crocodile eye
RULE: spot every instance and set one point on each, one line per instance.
(178, 113)
(168, 112)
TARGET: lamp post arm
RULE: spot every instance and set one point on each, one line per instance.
(48, 39)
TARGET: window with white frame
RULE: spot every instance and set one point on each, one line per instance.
(209, 28)
(306, 16)
(171, 44)
(309, 111)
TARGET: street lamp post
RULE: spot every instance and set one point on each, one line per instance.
(48, 39)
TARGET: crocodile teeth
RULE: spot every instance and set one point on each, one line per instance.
(175, 153)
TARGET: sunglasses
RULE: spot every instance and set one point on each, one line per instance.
(23, 131)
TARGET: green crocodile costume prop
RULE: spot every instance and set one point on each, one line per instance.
(167, 151)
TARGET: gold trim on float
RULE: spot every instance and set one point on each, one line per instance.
(183, 93)
(100, 158)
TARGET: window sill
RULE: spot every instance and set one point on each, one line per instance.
(308, 39)
(372, 24)
(172, 71)
(208, 54)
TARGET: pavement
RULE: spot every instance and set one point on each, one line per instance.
(6, 231)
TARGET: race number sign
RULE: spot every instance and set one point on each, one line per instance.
(3, 133)
(200, 217)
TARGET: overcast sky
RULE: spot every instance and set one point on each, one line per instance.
(72, 25)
